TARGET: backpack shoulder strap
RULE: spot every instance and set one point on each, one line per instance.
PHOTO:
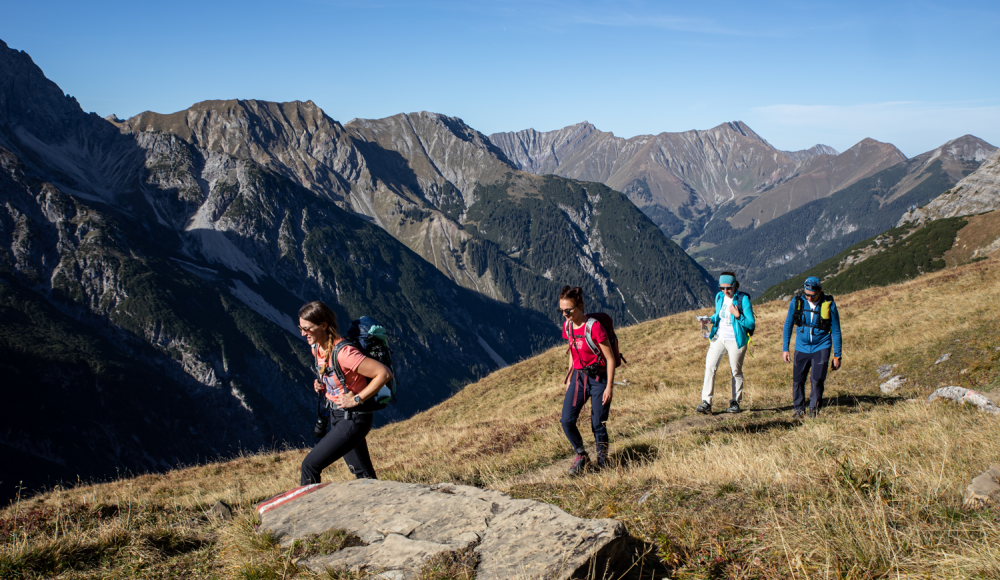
(335, 363)
(590, 340)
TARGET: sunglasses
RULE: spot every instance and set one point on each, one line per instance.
(811, 294)
(566, 311)
(308, 329)
(725, 288)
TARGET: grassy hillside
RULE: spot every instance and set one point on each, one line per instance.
(871, 489)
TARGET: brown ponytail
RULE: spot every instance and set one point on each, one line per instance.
(574, 294)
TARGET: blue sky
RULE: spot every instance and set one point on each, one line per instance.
(914, 74)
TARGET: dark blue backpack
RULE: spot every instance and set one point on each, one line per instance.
(372, 339)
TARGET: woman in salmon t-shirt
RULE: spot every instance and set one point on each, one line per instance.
(351, 405)
(591, 376)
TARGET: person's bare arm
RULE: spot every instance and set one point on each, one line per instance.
(379, 375)
(609, 356)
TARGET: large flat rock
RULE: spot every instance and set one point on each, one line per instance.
(405, 524)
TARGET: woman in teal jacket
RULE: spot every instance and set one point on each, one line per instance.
(731, 326)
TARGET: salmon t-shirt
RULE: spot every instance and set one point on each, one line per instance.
(582, 355)
(350, 359)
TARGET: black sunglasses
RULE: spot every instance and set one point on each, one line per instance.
(725, 287)
(566, 311)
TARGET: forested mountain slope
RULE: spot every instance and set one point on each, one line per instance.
(959, 226)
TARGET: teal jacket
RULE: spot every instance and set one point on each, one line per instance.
(741, 325)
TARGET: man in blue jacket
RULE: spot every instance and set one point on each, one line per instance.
(732, 324)
(818, 323)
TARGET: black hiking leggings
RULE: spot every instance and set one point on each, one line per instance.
(346, 439)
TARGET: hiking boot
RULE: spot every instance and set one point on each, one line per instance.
(734, 407)
(813, 412)
(705, 407)
(602, 462)
(579, 464)
(798, 414)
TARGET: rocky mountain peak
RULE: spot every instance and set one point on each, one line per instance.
(225, 125)
(538, 152)
(741, 128)
(966, 148)
(978, 192)
(814, 151)
(437, 148)
(31, 101)
(869, 147)
(296, 139)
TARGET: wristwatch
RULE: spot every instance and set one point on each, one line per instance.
(357, 399)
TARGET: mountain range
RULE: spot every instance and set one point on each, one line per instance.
(678, 179)
(818, 230)
(418, 176)
(737, 203)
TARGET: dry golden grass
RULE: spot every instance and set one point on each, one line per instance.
(871, 489)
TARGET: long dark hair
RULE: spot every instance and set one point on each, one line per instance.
(318, 313)
(575, 294)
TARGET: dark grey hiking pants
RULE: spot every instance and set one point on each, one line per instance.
(804, 361)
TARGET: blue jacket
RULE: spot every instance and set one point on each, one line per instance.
(741, 325)
(809, 339)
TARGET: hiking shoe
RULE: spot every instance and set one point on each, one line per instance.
(579, 464)
(734, 407)
(602, 462)
(813, 412)
(798, 414)
(705, 407)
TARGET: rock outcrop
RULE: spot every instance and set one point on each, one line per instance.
(977, 193)
(404, 525)
(965, 396)
(984, 491)
(892, 385)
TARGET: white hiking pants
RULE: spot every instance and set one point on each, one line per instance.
(718, 348)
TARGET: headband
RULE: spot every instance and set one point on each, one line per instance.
(727, 280)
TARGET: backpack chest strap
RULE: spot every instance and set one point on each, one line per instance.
(587, 331)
